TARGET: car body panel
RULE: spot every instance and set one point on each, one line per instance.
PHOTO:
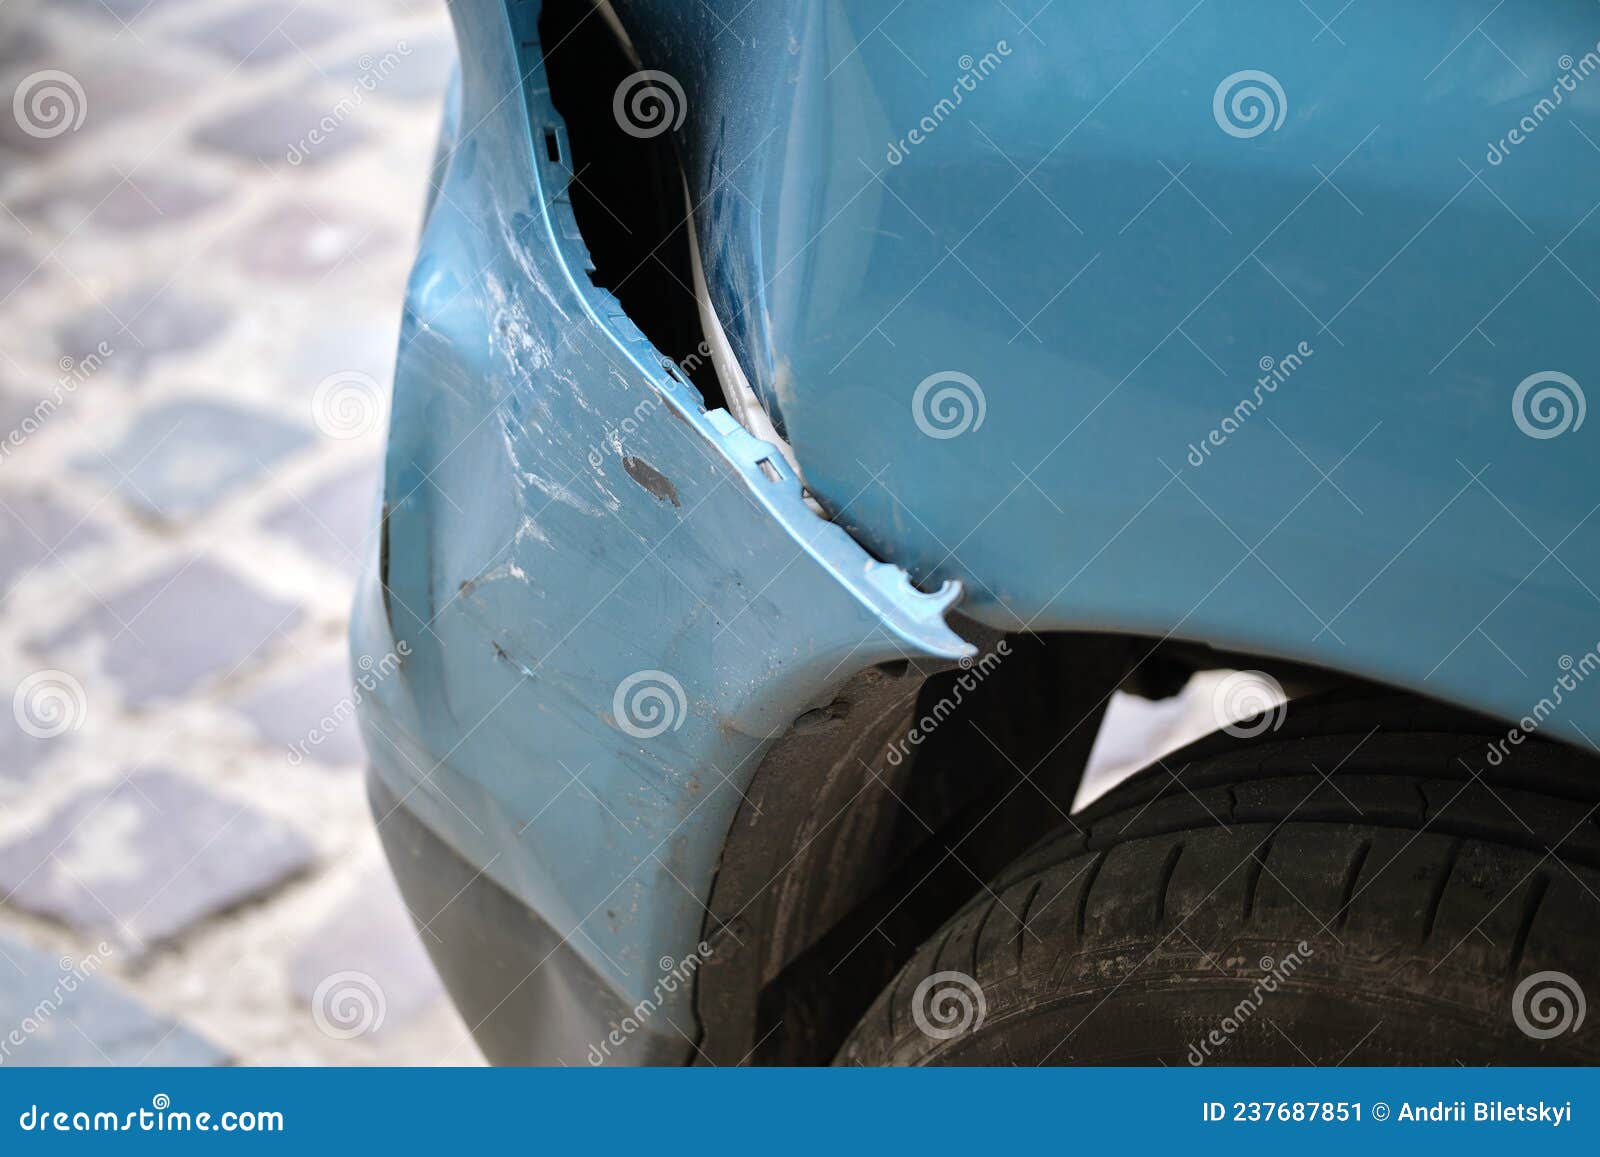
(1113, 260)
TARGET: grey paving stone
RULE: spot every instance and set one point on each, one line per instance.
(303, 241)
(141, 862)
(18, 268)
(415, 68)
(308, 716)
(167, 633)
(373, 934)
(113, 90)
(21, 45)
(261, 33)
(35, 530)
(335, 520)
(124, 202)
(128, 12)
(172, 667)
(20, 753)
(144, 323)
(182, 456)
(13, 409)
(69, 1011)
(18, 423)
(16, 138)
(279, 130)
(127, 84)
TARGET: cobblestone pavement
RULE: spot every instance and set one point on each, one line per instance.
(199, 295)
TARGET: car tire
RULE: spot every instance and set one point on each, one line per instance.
(1366, 884)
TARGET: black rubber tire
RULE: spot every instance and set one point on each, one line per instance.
(1397, 900)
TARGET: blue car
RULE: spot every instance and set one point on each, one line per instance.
(811, 414)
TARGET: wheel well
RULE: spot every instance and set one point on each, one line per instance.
(878, 816)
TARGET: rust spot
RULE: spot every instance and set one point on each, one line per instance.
(651, 479)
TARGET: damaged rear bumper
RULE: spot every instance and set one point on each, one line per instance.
(609, 600)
